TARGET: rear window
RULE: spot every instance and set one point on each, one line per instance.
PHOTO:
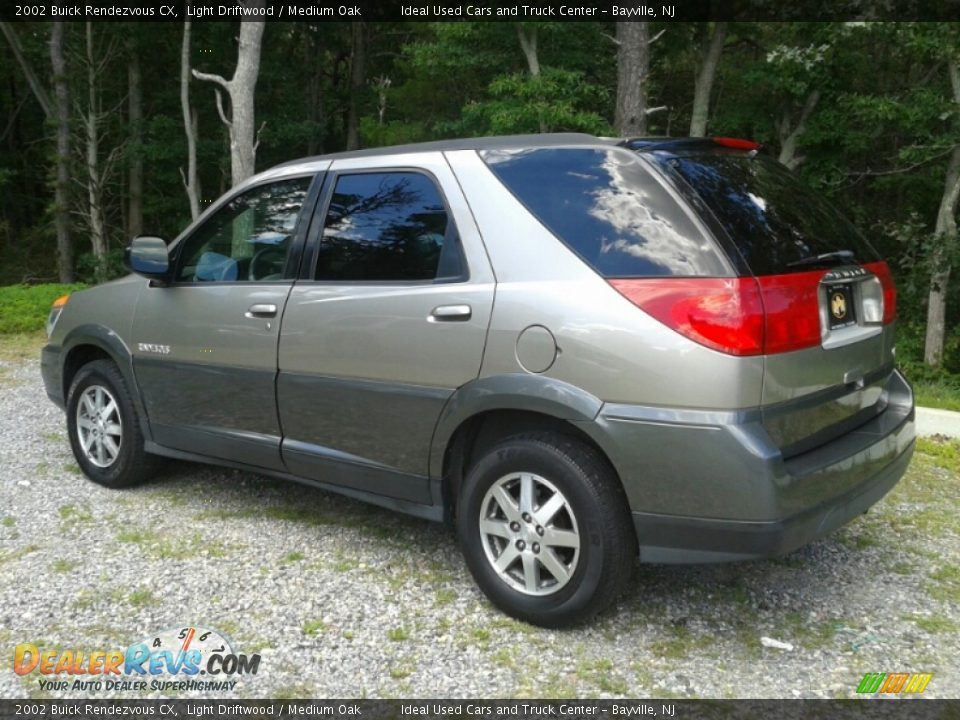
(606, 207)
(777, 223)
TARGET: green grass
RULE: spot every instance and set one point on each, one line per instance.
(142, 598)
(400, 672)
(314, 627)
(944, 394)
(946, 583)
(934, 624)
(398, 634)
(171, 546)
(945, 454)
(24, 308)
(61, 565)
(933, 387)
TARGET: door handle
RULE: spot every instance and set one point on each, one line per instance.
(451, 313)
(261, 310)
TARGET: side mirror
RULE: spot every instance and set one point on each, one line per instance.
(148, 256)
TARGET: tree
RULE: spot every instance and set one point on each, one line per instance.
(358, 77)
(61, 196)
(945, 232)
(190, 182)
(705, 77)
(633, 67)
(57, 111)
(135, 140)
(97, 172)
(240, 88)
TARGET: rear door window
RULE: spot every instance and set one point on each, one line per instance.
(776, 222)
(388, 226)
(607, 208)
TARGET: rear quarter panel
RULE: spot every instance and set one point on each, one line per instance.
(605, 345)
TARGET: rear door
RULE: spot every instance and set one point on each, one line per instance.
(389, 318)
(828, 297)
(205, 347)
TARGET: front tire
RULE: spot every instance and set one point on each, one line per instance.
(545, 529)
(104, 429)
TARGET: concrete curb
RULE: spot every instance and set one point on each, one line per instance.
(931, 421)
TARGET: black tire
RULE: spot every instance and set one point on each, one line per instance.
(608, 545)
(131, 465)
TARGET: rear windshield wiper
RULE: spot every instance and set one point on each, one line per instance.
(838, 256)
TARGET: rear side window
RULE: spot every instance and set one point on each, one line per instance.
(606, 207)
(388, 226)
(777, 223)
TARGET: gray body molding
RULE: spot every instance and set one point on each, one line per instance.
(533, 393)
(111, 343)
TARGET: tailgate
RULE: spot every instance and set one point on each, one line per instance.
(828, 298)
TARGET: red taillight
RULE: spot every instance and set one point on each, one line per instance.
(722, 313)
(792, 308)
(737, 316)
(882, 271)
(736, 143)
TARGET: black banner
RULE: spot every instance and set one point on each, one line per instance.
(915, 708)
(478, 10)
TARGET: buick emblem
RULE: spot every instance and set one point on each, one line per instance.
(838, 305)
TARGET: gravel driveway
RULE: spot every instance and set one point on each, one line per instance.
(346, 600)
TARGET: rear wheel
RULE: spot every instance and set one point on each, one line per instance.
(545, 529)
(104, 428)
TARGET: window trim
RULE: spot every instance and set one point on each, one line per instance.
(311, 254)
(296, 247)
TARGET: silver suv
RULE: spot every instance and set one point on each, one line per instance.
(579, 350)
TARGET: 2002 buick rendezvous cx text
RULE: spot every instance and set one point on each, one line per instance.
(577, 349)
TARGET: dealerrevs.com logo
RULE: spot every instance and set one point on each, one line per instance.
(198, 658)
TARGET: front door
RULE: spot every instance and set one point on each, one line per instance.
(205, 347)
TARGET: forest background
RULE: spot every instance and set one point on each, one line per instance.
(109, 130)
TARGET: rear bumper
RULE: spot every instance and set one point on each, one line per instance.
(51, 371)
(669, 539)
(713, 487)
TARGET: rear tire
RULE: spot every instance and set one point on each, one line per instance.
(104, 429)
(545, 529)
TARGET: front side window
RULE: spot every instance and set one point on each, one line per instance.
(388, 226)
(248, 238)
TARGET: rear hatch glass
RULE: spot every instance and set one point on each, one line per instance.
(773, 224)
(776, 222)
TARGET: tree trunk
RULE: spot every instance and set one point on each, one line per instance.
(358, 70)
(135, 167)
(633, 64)
(39, 91)
(98, 238)
(704, 82)
(946, 238)
(789, 134)
(240, 88)
(57, 112)
(528, 43)
(189, 127)
(61, 105)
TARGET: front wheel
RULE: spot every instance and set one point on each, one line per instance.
(545, 529)
(104, 428)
